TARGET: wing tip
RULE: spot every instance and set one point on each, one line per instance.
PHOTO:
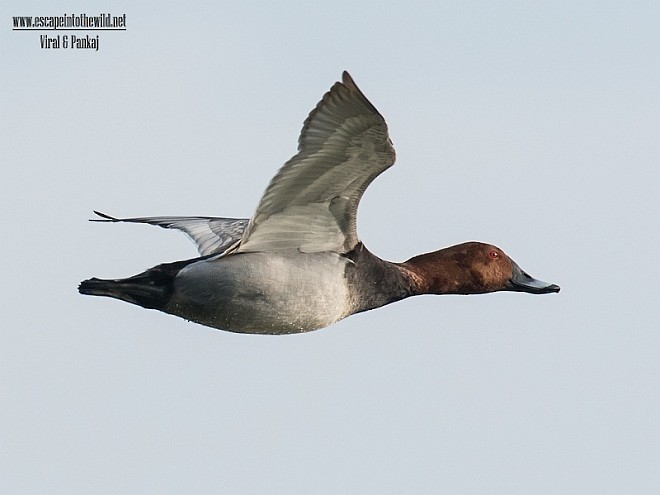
(104, 217)
(347, 80)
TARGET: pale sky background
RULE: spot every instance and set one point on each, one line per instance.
(531, 125)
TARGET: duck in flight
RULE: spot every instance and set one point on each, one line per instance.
(298, 265)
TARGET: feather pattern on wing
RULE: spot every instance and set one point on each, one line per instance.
(311, 203)
(213, 235)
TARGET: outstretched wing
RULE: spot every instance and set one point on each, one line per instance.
(311, 204)
(213, 235)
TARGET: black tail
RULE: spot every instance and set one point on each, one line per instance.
(151, 289)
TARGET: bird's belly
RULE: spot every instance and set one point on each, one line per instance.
(268, 293)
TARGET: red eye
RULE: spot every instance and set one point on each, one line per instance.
(493, 254)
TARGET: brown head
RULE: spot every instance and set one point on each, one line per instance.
(471, 268)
